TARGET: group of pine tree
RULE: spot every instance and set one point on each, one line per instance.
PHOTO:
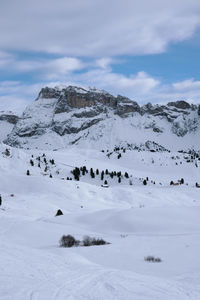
(39, 161)
(82, 171)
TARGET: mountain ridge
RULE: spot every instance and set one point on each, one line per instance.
(63, 116)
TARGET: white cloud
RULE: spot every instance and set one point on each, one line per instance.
(96, 28)
(139, 84)
(187, 85)
(46, 68)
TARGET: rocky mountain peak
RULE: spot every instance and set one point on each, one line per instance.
(66, 115)
(180, 104)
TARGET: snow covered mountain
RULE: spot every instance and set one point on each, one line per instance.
(94, 118)
(145, 204)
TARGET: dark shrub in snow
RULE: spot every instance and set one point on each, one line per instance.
(68, 241)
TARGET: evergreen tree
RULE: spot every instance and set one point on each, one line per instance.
(91, 172)
(102, 175)
(105, 182)
(106, 171)
(119, 180)
(182, 181)
(50, 176)
(144, 182)
(119, 156)
(28, 173)
(126, 175)
(31, 163)
(76, 173)
(7, 152)
(97, 172)
(0, 200)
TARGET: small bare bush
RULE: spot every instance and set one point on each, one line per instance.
(89, 241)
(68, 241)
(151, 258)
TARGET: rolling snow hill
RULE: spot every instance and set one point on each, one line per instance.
(137, 220)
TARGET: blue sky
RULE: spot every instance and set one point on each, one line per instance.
(146, 50)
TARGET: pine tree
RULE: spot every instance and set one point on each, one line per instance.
(119, 180)
(76, 173)
(31, 163)
(102, 175)
(126, 175)
(105, 182)
(144, 182)
(97, 172)
(0, 200)
(50, 176)
(182, 181)
(106, 171)
(91, 172)
(119, 156)
(28, 173)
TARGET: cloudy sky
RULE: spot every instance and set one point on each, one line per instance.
(148, 50)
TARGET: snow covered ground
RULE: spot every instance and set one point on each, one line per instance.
(156, 219)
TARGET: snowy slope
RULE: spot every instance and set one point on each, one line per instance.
(137, 220)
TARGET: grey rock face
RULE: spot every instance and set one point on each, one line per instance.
(10, 118)
(49, 93)
(179, 104)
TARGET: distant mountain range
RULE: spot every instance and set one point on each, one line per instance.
(64, 116)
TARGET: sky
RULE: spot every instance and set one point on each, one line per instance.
(147, 50)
